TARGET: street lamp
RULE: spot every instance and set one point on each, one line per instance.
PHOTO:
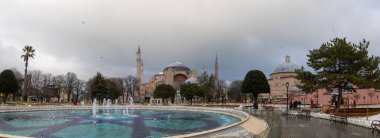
(287, 96)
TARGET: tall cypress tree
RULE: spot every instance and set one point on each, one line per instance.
(255, 82)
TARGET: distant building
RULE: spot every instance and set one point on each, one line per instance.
(284, 73)
(173, 74)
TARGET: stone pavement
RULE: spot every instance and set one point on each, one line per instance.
(285, 126)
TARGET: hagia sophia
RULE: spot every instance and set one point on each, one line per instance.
(174, 74)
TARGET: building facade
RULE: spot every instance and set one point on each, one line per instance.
(173, 74)
(283, 73)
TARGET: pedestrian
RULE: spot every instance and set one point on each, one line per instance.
(295, 104)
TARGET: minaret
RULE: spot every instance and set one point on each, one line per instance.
(203, 70)
(139, 66)
(216, 70)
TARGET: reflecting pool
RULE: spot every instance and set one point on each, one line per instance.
(113, 123)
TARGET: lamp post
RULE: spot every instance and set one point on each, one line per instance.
(287, 97)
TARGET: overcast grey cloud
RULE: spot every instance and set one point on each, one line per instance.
(89, 36)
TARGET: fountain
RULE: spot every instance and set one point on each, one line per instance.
(104, 104)
(108, 106)
(94, 110)
(90, 123)
(131, 101)
(126, 111)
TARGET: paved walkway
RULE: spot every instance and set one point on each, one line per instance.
(255, 125)
(283, 126)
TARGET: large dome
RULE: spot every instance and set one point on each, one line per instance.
(177, 65)
(286, 67)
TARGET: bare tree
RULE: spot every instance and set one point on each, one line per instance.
(220, 89)
(78, 88)
(46, 79)
(355, 97)
(120, 83)
(58, 82)
(70, 80)
(131, 85)
(46, 82)
(234, 92)
(371, 94)
(36, 83)
(36, 80)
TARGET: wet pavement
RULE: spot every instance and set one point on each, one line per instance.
(290, 126)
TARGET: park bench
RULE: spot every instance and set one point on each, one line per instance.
(339, 117)
(375, 125)
(304, 113)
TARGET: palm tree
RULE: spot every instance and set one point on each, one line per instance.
(28, 53)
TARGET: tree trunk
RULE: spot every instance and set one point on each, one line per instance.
(25, 95)
(123, 95)
(255, 104)
(5, 97)
(69, 95)
(77, 96)
(340, 98)
(245, 98)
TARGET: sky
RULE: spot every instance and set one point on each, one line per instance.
(89, 36)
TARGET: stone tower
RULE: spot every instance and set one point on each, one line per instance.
(139, 67)
(216, 67)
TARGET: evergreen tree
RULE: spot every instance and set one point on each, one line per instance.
(340, 64)
(164, 91)
(255, 82)
(8, 84)
(189, 91)
(308, 80)
(206, 84)
(113, 90)
(98, 88)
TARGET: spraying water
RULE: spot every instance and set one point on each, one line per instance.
(104, 104)
(126, 111)
(108, 106)
(131, 101)
(94, 109)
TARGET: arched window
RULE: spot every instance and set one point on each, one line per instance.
(179, 78)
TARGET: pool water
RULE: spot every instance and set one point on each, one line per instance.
(81, 123)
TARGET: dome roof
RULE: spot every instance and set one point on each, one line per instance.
(286, 67)
(177, 64)
(295, 89)
(192, 80)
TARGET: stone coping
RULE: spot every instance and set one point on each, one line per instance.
(243, 116)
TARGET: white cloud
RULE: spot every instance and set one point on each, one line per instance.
(246, 34)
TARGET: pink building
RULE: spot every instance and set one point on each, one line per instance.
(362, 96)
